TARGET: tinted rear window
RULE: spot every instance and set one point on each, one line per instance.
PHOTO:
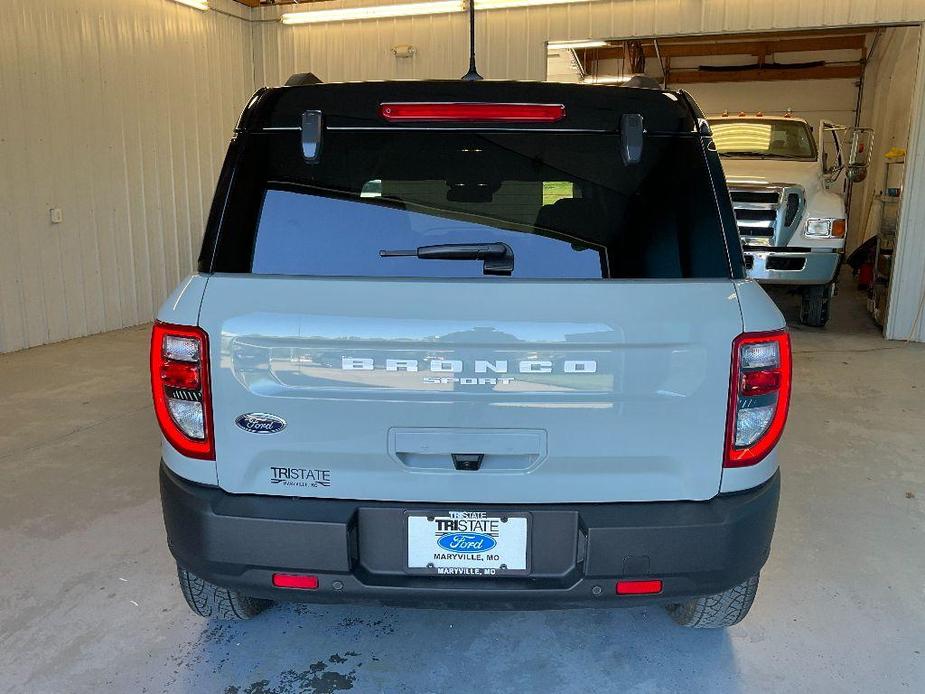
(563, 202)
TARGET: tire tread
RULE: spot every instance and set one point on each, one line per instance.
(814, 306)
(717, 611)
(209, 600)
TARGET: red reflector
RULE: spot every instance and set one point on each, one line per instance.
(293, 581)
(760, 382)
(639, 587)
(533, 113)
(179, 374)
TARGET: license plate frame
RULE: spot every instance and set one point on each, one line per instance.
(511, 539)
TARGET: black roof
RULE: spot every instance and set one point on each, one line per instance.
(356, 104)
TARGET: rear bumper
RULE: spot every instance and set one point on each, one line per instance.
(357, 548)
(791, 267)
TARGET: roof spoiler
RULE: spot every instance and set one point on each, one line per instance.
(300, 79)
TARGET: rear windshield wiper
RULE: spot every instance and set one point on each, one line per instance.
(498, 257)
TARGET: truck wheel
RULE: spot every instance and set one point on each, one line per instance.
(209, 600)
(814, 307)
(716, 611)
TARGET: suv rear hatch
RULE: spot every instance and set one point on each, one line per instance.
(596, 369)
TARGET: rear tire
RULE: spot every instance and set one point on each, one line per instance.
(209, 600)
(716, 611)
(814, 305)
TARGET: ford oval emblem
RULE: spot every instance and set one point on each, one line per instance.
(467, 543)
(260, 423)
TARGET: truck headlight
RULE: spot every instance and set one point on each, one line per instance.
(825, 229)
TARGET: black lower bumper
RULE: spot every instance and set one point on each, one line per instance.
(578, 551)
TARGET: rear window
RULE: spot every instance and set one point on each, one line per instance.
(563, 202)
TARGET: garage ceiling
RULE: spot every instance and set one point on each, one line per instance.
(826, 54)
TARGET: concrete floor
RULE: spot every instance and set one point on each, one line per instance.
(89, 600)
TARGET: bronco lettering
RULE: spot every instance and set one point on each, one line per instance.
(500, 366)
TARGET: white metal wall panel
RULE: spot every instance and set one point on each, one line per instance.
(888, 109)
(906, 318)
(119, 113)
(813, 100)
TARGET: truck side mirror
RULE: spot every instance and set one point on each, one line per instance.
(856, 174)
(862, 141)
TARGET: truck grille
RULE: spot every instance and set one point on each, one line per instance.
(772, 197)
(767, 216)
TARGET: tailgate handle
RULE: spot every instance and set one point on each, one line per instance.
(450, 449)
(467, 461)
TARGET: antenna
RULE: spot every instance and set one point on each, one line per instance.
(473, 74)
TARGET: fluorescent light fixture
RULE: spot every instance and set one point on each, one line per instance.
(196, 4)
(582, 43)
(375, 12)
(607, 80)
(407, 10)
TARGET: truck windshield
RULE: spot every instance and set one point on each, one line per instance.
(564, 204)
(764, 138)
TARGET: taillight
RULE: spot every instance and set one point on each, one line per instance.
(468, 112)
(180, 386)
(759, 396)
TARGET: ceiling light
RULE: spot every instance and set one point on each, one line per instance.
(583, 43)
(376, 12)
(197, 4)
(607, 80)
(408, 10)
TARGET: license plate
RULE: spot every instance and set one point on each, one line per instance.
(468, 543)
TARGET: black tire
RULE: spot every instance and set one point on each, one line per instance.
(716, 611)
(209, 600)
(814, 306)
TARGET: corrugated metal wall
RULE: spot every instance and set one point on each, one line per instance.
(511, 43)
(119, 113)
(906, 319)
(889, 82)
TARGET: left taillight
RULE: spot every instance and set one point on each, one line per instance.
(180, 386)
(759, 396)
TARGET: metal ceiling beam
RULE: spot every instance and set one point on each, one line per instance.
(820, 72)
(675, 49)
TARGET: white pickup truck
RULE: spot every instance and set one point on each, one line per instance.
(788, 192)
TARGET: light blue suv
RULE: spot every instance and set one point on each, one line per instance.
(471, 343)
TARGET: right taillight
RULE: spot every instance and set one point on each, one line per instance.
(180, 386)
(759, 396)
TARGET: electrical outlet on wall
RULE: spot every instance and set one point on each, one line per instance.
(57, 216)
